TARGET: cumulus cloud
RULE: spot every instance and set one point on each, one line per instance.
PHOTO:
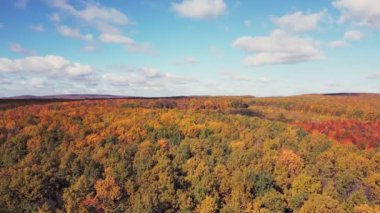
(298, 21)
(37, 28)
(278, 48)
(354, 35)
(73, 33)
(17, 48)
(93, 13)
(337, 44)
(200, 9)
(50, 65)
(363, 12)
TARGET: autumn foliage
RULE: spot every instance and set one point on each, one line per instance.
(192, 154)
(362, 134)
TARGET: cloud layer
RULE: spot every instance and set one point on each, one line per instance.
(50, 65)
(187, 47)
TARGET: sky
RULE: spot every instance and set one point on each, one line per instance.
(189, 47)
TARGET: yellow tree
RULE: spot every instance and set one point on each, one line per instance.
(107, 191)
(321, 204)
(288, 166)
(208, 205)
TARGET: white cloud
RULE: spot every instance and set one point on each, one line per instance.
(100, 14)
(298, 21)
(4, 80)
(375, 75)
(34, 83)
(186, 60)
(115, 38)
(235, 76)
(77, 69)
(364, 12)
(152, 73)
(129, 44)
(73, 33)
(50, 65)
(17, 48)
(107, 20)
(145, 48)
(37, 28)
(200, 9)
(90, 48)
(338, 43)
(93, 13)
(146, 78)
(354, 35)
(278, 48)
(117, 80)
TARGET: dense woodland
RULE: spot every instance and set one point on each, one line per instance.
(310, 153)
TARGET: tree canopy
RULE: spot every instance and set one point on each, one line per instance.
(223, 154)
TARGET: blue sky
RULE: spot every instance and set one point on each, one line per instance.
(189, 47)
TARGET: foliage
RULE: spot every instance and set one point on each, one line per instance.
(205, 154)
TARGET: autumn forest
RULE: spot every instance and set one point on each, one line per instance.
(309, 153)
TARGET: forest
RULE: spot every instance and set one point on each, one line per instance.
(309, 153)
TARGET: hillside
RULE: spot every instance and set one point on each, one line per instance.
(310, 153)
